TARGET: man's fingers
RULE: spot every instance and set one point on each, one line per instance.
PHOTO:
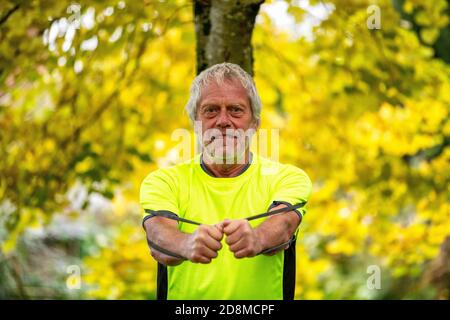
(209, 253)
(243, 253)
(233, 238)
(203, 254)
(238, 245)
(219, 226)
(212, 243)
(201, 259)
(232, 226)
(216, 232)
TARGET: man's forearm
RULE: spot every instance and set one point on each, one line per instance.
(277, 229)
(166, 235)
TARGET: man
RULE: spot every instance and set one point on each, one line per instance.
(226, 256)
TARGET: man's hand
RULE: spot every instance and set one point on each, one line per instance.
(243, 240)
(202, 245)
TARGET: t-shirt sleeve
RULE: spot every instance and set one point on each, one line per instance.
(292, 186)
(159, 192)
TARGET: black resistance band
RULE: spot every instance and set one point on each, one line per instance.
(173, 216)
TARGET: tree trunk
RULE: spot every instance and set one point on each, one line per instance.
(438, 273)
(224, 32)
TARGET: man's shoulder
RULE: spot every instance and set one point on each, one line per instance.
(173, 171)
(289, 182)
(276, 168)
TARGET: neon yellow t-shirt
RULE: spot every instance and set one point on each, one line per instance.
(188, 191)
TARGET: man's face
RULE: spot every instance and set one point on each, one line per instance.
(226, 118)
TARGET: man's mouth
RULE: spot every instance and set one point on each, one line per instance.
(222, 138)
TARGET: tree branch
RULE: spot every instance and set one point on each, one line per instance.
(9, 13)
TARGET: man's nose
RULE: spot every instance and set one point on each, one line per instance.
(223, 119)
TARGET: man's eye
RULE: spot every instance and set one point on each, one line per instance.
(236, 109)
(210, 110)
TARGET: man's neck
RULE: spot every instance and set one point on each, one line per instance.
(227, 170)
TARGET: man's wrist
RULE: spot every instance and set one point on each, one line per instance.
(183, 239)
(261, 238)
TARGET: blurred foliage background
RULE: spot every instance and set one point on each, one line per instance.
(90, 93)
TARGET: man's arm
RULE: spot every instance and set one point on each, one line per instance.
(278, 229)
(198, 247)
(165, 233)
(245, 241)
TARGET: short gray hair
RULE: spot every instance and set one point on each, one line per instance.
(218, 73)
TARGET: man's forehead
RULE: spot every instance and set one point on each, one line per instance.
(232, 87)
